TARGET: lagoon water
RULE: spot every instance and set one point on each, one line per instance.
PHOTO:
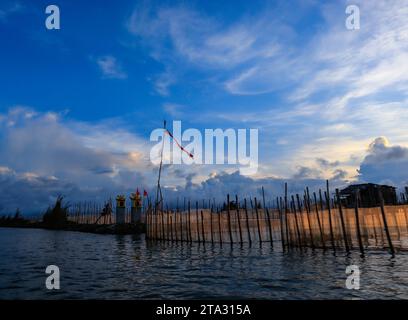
(127, 267)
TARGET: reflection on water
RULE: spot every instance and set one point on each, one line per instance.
(128, 267)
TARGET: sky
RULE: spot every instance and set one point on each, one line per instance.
(78, 104)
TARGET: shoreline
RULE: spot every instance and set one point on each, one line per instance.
(119, 229)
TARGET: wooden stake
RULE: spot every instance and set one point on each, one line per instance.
(171, 229)
(281, 222)
(268, 217)
(343, 226)
(360, 243)
(247, 222)
(189, 222)
(168, 230)
(308, 211)
(296, 221)
(176, 222)
(257, 221)
(211, 223)
(239, 219)
(229, 219)
(387, 232)
(286, 213)
(301, 212)
(197, 223)
(330, 217)
(318, 221)
(321, 208)
(162, 225)
(202, 226)
(219, 227)
(181, 225)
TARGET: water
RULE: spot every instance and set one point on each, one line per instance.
(127, 267)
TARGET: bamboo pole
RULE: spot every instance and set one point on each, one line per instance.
(374, 229)
(321, 208)
(343, 227)
(197, 224)
(176, 238)
(360, 243)
(189, 222)
(211, 223)
(171, 229)
(318, 221)
(397, 227)
(229, 219)
(406, 218)
(180, 214)
(239, 220)
(268, 217)
(202, 226)
(296, 221)
(327, 195)
(147, 225)
(257, 221)
(286, 213)
(297, 213)
(247, 222)
(157, 225)
(162, 223)
(168, 214)
(281, 222)
(387, 232)
(219, 227)
(308, 211)
(159, 229)
(302, 225)
(154, 224)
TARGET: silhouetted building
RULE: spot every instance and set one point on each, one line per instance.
(368, 195)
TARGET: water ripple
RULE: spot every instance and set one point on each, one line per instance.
(126, 267)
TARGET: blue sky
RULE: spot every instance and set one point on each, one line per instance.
(77, 105)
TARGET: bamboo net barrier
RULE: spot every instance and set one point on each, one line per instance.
(92, 213)
(307, 225)
(316, 221)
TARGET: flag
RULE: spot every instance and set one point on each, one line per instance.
(144, 193)
(179, 145)
(137, 192)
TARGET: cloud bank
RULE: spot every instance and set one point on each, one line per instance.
(46, 154)
(385, 164)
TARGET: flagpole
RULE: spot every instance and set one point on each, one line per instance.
(160, 169)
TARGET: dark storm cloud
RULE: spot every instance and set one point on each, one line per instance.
(385, 164)
(218, 186)
(326, 163)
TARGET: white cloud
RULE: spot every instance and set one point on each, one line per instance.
(46, 154)
(110, 67)
(163, 82)
(173, 109)
(201, 39)
(183, 38)
(57, 151)
(261, 53)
